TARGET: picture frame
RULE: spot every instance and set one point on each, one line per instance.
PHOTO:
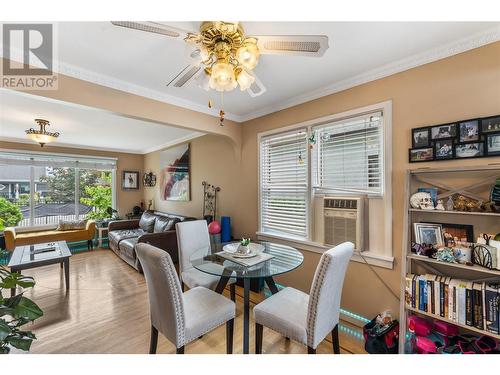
(420, 137)
(443, 131)
(492, 142)
(422, 154)
(130, 180)
(428, 233)
(443, 149)
(469, 150)
(468, 131)
(490, 124)
(464, 232)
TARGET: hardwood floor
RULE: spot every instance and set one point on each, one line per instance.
(106, 311)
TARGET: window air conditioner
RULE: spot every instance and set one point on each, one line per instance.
(343, 220)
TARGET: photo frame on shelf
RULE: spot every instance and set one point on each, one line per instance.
(421, 154)
(493, 144)
(463, 232)
(428, 233)
(469, 150)
(420, 137)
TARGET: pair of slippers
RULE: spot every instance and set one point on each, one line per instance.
(470, 344)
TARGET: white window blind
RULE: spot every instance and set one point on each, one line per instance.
(349, 155)
(59, 161)
(284, 184)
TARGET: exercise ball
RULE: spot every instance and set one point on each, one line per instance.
(214, 227)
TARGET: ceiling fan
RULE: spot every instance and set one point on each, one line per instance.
(223, 57)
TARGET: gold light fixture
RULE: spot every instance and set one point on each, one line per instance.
(41, 136)
(229, 57)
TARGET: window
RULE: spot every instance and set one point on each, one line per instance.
(46, 187)
(284, 184)
(348, 156)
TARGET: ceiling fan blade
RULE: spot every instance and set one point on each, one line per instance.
(153, 27)
(185, 76)
(298, 45)
(257, 88)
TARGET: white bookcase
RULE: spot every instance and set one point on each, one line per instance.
(473, 181)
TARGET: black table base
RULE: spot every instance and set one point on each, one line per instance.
(246, 302)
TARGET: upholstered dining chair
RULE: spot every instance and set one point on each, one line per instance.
(181, 317)
(308, 318)
(192, 236)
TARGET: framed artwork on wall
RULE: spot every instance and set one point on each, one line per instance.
(493, 144)
(468, 131)
(490, 124)
(175, 179)
(130, 180)
(420, 137)
(469, 150)
(464, 139)
(421, 154)
(443, 131)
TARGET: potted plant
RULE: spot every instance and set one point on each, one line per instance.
(15, 312)
(244, 246)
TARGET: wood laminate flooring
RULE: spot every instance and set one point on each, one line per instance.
(107, 311)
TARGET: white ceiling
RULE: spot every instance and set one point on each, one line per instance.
(143, 63)
(84, 127)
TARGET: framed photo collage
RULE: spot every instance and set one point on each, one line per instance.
(475, 138)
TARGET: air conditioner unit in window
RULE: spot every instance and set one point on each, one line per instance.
(344, 220)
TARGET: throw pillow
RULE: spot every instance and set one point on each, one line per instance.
(71, 224)
(163, 224)
(147, 222)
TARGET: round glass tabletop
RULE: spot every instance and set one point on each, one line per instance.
(212, 261)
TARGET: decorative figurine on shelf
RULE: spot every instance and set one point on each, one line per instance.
(446, 254)
(449, 204)
(423, 249)
(439, 205)
(422, 200)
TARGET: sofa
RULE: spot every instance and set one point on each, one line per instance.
(19, 236)
(154, 227)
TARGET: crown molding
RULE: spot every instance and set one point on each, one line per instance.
(104, 80)
(177, 141)
(491, 35)
(475, 41)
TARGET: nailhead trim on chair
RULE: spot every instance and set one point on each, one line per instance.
(314, 298)
(179, 306)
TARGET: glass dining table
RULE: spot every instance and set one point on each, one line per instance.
(283, 259)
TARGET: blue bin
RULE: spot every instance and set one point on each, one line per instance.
(225, 222)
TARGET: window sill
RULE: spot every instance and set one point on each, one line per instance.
(371, 258)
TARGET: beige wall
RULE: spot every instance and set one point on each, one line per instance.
(212, 160)
(125, 199)
(460, 87)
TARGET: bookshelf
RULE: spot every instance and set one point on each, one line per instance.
(473, 181)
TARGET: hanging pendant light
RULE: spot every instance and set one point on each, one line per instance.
(41, 136)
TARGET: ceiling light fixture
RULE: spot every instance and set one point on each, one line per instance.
(228, 56)
(41, 136)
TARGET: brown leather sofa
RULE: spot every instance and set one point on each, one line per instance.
(154, 227)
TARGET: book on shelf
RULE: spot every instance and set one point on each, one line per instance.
(490, 307)
(465, 302)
